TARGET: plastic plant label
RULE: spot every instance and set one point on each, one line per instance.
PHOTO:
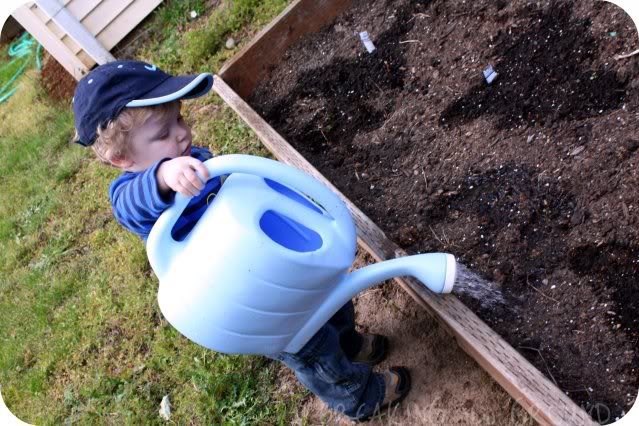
(367, 41)
(489, 74)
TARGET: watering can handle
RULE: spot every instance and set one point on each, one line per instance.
(161, 247)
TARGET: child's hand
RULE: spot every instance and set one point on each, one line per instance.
(179, 175)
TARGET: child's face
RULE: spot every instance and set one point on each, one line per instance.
(160, 137)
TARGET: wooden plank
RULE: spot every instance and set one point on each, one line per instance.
(76, 30)
(77, 8)
(251, 64)
(81, 8)
(54, 28)
(37, 29)
(85, 59)
(106, 13)
(98, 20)
(38, 12)
(540, 397)
(46, 19)
(126, 21)
(71, 45)
(110, 20)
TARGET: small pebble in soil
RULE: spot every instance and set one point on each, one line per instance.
(577, 151)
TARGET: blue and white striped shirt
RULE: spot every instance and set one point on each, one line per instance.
(137, 203)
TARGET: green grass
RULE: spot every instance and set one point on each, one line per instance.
(202, 47)
(175, 14)
(202, 44)
(10, 68)
(81, 334)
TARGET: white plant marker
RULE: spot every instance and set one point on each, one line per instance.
(366, 39)
(489, 74)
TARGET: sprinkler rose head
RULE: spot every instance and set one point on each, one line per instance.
(451, 273)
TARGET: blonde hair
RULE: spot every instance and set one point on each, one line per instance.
(112, 141)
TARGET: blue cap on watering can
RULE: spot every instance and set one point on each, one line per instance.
(103, 93)
(267, 263)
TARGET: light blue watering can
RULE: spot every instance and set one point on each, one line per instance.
(267, 263)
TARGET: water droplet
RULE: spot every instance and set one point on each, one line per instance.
(471, 284)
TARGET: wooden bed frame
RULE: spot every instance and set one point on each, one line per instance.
(237, 80)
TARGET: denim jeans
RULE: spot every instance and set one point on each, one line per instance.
(324, 367)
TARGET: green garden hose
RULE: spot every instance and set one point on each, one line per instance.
(20, 50)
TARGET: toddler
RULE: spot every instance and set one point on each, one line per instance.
(128, 112)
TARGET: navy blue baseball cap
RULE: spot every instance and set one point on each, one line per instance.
(103, 93)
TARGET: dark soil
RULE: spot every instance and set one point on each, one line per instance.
(531, 181)
(57, 82)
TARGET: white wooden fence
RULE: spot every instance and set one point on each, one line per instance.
(80, 33)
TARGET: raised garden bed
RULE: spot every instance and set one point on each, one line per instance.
(531, 181)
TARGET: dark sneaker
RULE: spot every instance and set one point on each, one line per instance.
(374, 349)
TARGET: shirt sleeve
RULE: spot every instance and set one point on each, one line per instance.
(201, 153)
(136, 200)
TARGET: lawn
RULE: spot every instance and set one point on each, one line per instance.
(82, 337)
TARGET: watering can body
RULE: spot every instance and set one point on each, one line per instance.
(266, 265)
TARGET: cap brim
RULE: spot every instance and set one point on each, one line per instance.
(173, 88)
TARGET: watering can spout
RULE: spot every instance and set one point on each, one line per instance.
(436, 271)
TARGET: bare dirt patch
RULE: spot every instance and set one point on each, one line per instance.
(57, 82)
